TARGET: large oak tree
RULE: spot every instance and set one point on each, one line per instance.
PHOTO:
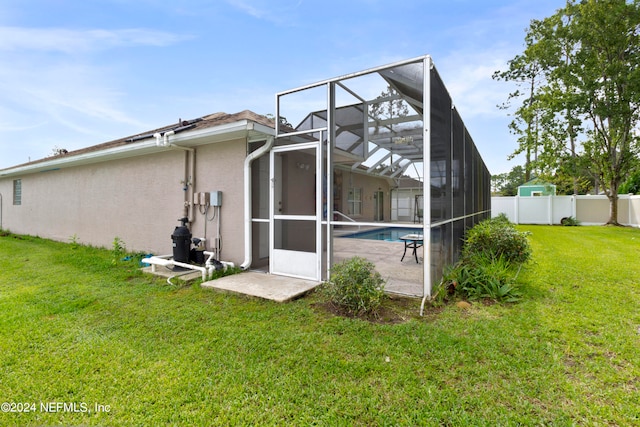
(587, 95)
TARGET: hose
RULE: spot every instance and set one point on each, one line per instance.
(177, 275)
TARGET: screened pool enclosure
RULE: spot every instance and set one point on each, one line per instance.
(346, 177)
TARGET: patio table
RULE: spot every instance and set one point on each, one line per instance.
(412, 241)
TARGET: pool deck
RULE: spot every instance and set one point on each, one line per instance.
(403, 277)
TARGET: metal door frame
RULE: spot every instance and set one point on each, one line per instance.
(288, 262)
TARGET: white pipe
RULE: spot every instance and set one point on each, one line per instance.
(161, 260)
(167, 134)
(226, 264)
(247, 199)
(158, 137)
(189, 179)
(218, 241)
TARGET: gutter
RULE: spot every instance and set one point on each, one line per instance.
(247, 200)
(193, 138)
(119, 152)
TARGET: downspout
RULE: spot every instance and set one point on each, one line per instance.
(162, 140)
(247, 200)
(0, 211)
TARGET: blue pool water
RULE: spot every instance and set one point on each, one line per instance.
(389, 234)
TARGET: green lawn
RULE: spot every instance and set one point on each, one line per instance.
(74, 329)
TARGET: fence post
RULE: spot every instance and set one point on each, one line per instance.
(516, 209)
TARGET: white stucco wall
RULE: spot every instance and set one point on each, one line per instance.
(138, 199)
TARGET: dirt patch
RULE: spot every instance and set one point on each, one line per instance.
(8, 234)
(394, 310)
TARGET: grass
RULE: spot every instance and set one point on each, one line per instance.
(76, 329)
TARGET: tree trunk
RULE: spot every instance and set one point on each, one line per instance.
(613, 205)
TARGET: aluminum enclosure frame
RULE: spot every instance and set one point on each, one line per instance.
(392, 147)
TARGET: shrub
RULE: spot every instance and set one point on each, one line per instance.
(497, 238)
(569, 221)
(118, 250)
(492, 255)
(355, 287)
(483, 277)
(74, 241)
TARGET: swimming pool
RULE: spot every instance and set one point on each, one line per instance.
(389, 234)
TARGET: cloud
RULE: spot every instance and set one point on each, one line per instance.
(277, 12)
(73, 41)
(47, 77)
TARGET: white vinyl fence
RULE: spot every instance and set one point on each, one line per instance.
(589, 210)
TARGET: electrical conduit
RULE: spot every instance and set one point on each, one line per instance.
(162, 140)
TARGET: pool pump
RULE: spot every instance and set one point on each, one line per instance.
(181, 242)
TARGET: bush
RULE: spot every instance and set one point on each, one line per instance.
(497, 238)
(569, 221)
(483, 277)
(355, 287)
(118, 250)
(492, 255)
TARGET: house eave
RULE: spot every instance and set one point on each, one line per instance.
(226, 132)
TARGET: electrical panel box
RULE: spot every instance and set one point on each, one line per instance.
(215, 198)
(201, 199)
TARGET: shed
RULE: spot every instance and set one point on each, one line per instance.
(536, 187)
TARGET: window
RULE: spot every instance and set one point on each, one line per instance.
(354, 201)
(17, 191)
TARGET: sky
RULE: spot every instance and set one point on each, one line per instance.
(78, 73)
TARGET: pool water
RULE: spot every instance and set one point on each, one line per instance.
(390, 234)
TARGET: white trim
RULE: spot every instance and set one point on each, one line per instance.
(426, 165)
(359, 73)
(295, 217)
(189, 138)
(285, 262)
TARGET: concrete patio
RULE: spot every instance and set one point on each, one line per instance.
(263, 285)
(403, 277)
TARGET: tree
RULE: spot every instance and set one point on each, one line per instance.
(632, 184)
(389, 110)
(388, 105)
(588, 104)
(525, 72)
(506, 184)
(571, 176)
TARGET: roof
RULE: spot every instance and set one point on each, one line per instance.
(130, 143)
(537, 182)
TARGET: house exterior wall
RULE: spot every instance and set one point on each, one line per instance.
(220, 167)
(404, 204)
(138, 199)
(369, 185)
